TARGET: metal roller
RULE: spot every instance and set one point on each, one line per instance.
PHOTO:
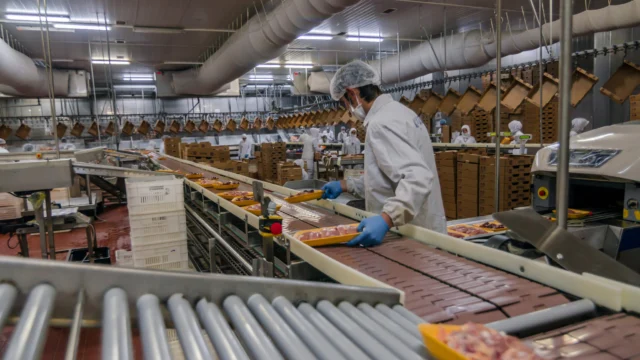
(29, 336)
(337, 338)
(383, 335)
(408, 314)
(7, 297)
(74, 334)
(152, 329)
(116, 329)
(398, 319)
(409, 338)
(320, 346)
(223, 338)
(188, 329)
(258, 343)
(358, 335)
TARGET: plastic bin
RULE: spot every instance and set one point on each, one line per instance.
(102, 255)
(154, 194)
(161, 256)
(158, 223)
(124, 258)
(158, 239)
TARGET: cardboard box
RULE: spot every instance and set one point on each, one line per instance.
(468, 158)
(448, 193)
(223, 165)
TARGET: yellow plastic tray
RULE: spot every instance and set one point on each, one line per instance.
(194, 176)
(219, 186)
(577, 214)
(169, 171)
(332, 240)
(259, 211)
(227, 196)
(243, 202)
(438, 349)
(293, 199)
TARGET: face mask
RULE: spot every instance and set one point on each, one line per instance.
(358, 112)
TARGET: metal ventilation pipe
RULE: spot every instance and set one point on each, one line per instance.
(261, 39)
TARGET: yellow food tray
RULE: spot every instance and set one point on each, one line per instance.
(577, 214)
(227, 196)
(237, 202)
(302, 197)
(194, 176)
(220, 186)
(331, 240)
(169, 171)
(258, 212)
(438, 349)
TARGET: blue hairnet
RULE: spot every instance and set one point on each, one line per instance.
(443, 122)
(353, 75)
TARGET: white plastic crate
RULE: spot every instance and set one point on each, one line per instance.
(11, 212)
(154, 194)
(158, 223)
(7, 199)
(164, 255)
(171, 266)
(158, 239)
(124, 258)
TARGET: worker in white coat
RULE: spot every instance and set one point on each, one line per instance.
(162, 143)
(3, 146)
(305, 174)
(577, 126)
(401, 182)
(245, 147)
(515, 127)
(465, 136)
(28, 147)
(310, 145)
(343, 136)
(66, 145)
(352, 147)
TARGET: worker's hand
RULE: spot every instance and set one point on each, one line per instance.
(246, 156)
(332, 190)
(372, 231)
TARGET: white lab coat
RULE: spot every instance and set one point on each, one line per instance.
(343, 137)
(310, 144)
(400, 169)
(3, 150)
(245, 148)
(305, 174)
(464, 140)
(352, 146)
(161, 147)
(69, 147)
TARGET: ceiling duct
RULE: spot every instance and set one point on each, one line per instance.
(260, 40)
(472, 49)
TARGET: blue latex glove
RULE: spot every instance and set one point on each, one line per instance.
(372, 231)
(332, 190)
(246, 156)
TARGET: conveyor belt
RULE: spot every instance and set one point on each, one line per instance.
(439, 287)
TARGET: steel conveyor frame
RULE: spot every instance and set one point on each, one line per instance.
(607, 293)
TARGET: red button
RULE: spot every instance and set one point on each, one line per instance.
(276, 229)
(542, 193)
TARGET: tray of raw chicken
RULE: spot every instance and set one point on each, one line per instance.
(328, 235)
(476, 230)
(256, 209)
(475, 342)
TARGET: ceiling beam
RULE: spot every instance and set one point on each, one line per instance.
(476, 7)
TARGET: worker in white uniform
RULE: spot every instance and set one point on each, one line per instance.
(577, 126)
(28, 147)
(3, 146)
(305, 174)
(162, 143)
(245, 147)
(401, 181)
(465, 136)
(324, 137)
(352, 147)
(343, 136)
(515, 127)
(66, 145)
(310, 145)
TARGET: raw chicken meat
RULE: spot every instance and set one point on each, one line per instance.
(242, 198)
(347, 229)
(236, 193)
(478, 342)
(469, 230)
(456, 235)
(328, 232)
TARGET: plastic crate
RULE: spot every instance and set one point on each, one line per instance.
(11, 212)
(158, 223)
(7, 199)
(161, 256)
(158, 239)
(154, 194)
(124, 258)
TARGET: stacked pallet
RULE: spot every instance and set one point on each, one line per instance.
(270, 155)
(481, 124)
(288, 171)
(467, 185)
(158, 223)
(634, 107)
(531, 122)
(515, 183)
(10, 207)
(172, 146)
(204, 152)
(446, 162)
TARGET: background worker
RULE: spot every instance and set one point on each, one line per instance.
(577, 126)
(352, 146)
(400, 182)
(245, 147)
(465, 136)
(310, 145)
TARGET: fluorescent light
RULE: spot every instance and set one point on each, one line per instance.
(261, 76)
(364, 39)
(36, 17)
(137, 79)
(37, 28)
(182, 63)
(82, 27)
(157, 30)
(35, 12)
(293, 66)
(269, 66)
(113, 62)
(57, 60)
(315, 37)
(134, 87)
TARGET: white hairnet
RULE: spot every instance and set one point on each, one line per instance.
(353, 75)
(165, 137)
(244, 136)
(466, 127)
(343, 128)
(2, 142)
(515, 126)
(28, 148)
(353, 131)
(578, 124)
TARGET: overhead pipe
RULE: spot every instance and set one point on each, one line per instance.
(473, 49)
(263, 38)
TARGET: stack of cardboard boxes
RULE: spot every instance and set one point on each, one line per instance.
(467, 185)
(270, 155)
(172, 146)
(288, 171)
(446, 162)
(205, 153)
(531, 123)
(634, 107)
(515, 183)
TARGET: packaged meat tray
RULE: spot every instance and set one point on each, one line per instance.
(206, 183)
(226, 185)
(174, 172)
(193, 176)
(303, 196)
(467, 229)
(230, 195)
(456, 234)
(256, 209)
(577, 214)
(473, 342)
(243, 201)
(491, 226)
(328, 235)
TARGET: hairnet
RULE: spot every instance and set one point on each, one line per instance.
(353, 130)
(443, 122)
(578, 124)
(515, 126)
(2, 142)
(466, 127)
(343, 128)
(165, 137)
(244, 136)
(353, 75)
(27, 147)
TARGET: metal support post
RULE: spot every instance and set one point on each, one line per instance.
(562, 181)
(540, 73)
(43, 231)
(89, 195)
(49, 224)
(498, 99)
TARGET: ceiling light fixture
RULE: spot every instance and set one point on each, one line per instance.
(113, 62)
(260, 76)
(36, 17)
(82, 27)
(298, 66)
(153, 87)
(138, 79)
(57, 60)
(364, 39)
(269, 66)
(315, 37)
(182, 63)
(37, 28)
(157, 30)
